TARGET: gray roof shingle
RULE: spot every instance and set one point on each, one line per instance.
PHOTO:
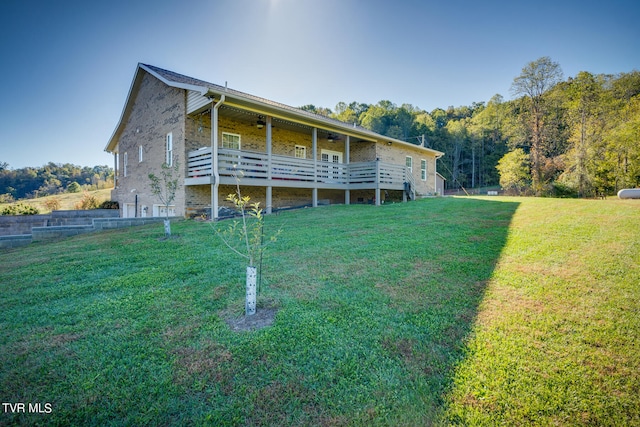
(182, 79)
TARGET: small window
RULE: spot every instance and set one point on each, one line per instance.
(423, 169)
(301, 152)
(409, 163)
(125, 163)
(161, 210)
(230, 141)
(140, 154)
(169, 159)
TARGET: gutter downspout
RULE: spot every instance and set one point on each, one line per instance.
(214, 157)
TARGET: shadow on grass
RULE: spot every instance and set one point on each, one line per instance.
(380, 305)
(375, 305)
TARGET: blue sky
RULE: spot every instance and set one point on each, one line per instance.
(67, 65)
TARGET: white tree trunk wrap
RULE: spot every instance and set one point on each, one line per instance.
(167, 227)
(250, 303)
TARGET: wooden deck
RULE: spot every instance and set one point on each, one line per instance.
(260, 169)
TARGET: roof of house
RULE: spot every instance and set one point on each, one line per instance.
(213, 90)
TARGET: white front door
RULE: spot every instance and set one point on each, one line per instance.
(129, 210)
(331, 173)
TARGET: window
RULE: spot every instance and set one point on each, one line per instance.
(423, 169)
(140, 153)
(169, 160)
(301, 152)
(125, 163)
(230, 141)
(409, 163)
(161, 210)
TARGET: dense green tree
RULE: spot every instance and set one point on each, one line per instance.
(51, 179)
(73, 187)
(514, 168)
(583, 97)
(316, 110)
(536, 78)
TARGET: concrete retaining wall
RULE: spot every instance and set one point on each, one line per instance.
(44, 233)
(22, 224)
(80, 217)
(56, 232)
(105, 224)
(14, 241)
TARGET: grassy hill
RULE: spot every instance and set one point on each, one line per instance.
(68, 201)
(467, 311)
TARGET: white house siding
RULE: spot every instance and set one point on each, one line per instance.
(196, 101)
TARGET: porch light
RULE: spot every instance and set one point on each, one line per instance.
(260, 123)
(389, 143)
(331, 138)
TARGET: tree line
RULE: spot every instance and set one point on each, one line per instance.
(50, 179)
(574, 137)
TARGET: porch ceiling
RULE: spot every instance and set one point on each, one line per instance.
(250, 118)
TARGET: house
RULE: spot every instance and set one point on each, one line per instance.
(288, 157)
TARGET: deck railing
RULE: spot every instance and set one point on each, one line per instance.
(256, 165)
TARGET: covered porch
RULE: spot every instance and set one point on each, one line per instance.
(271, 170)
(273, 150)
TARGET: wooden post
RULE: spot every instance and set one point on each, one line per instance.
(269, 198)
(347, 192)
(314, 145)
(377, 182)
(214, 156)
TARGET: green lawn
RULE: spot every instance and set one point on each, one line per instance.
(469, 311)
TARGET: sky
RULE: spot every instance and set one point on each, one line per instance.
(66, 66)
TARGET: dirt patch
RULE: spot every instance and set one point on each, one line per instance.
(264, 317)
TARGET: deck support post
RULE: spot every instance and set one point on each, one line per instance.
(214, 157)
(377, 182)
(269, 200)
(269, 193)
(314, 149)
(347, 192)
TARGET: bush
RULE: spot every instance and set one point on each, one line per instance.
(53, 204)
(73, 187)
(7, 198)
(559, 189)
(109, 204)
(88, 201)
(19, 209)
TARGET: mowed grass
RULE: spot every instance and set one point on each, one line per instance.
(442, 311)
(557, 339)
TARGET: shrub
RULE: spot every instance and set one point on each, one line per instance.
(109, 204)
(559, 189)
(73, 187)
(53, 204)
(19, 209)
(6, 198)
(88, 201)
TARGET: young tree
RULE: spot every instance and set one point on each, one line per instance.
(535, 80)
(246, 238)
(164, 188)
(514, 170)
